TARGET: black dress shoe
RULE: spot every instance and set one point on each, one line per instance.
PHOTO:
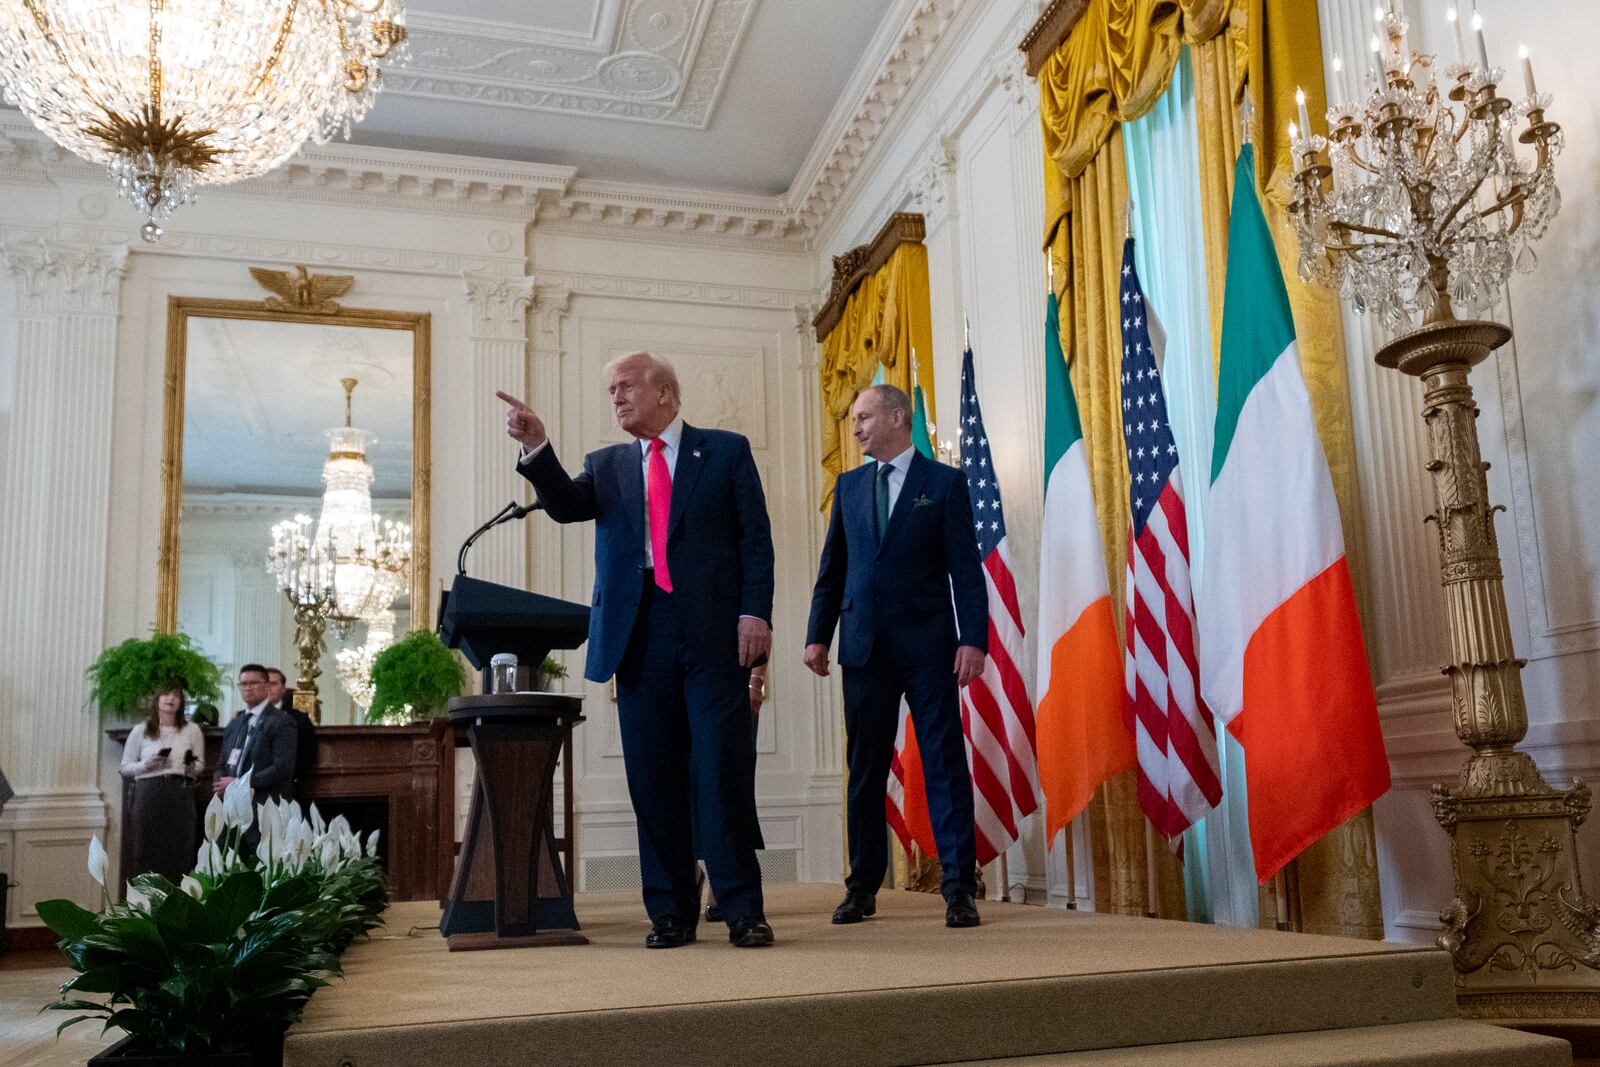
(669, 932)
(713, 913)
(961, 910)
(855, 907)
(750, 933)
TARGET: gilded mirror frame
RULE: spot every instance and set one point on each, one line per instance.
(310, 309)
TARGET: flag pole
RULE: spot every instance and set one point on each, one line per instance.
(1066, 831)
(1151, 910)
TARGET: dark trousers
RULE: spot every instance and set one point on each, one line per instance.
(690, 758)
(872, 697)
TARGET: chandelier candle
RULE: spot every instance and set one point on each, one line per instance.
(1422, 209)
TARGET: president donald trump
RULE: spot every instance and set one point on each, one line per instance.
(682, 611)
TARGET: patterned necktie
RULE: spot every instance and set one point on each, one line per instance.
(660, 507)
(882, 493)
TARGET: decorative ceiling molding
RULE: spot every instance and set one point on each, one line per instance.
(642, 210)
(904, 45)
(851, 268)
(570, 284)
(656, 61)
(1049, 30)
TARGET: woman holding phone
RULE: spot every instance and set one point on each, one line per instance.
(163, 756)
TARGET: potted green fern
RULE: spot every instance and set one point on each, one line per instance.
(415, 678)
(125, 676)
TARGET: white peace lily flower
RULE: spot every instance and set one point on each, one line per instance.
(209, 859)
(97, 860)
(138, 899)
(372, 844)
(330, 855)
(192, 886)
(317, 822)
(351, 847)
(339, 828)
(236, 802)
(216, 821)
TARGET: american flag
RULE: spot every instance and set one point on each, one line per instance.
(996, 714)
(1172, 727)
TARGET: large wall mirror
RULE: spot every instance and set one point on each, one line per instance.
(295, 407)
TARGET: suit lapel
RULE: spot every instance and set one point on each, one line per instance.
(685, 474)
(859, 505)
(910, 489)
(631, 484)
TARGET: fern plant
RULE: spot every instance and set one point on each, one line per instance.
(125, 676)
(414, 678)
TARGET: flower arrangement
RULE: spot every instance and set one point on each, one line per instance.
(226, 960)
(417, 675)
(127, 675)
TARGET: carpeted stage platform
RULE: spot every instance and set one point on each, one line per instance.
(898, 989)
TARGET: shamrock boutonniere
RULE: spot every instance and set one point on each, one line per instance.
(921, 501)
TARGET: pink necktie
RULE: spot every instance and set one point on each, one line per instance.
(660, 508)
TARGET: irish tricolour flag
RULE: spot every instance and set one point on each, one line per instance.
(1282, 661)
(1082, 740)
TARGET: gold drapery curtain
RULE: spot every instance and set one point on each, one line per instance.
(1112, 67)
(887, 318)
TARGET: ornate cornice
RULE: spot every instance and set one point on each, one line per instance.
(854, 129)
(631, 287)
(674, 214)
(1049, 30)
(856, 264)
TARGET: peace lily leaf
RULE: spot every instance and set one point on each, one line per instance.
(66, 919)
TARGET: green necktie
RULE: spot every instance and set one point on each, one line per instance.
(883, 499)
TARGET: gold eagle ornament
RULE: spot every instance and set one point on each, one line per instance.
(300, 290)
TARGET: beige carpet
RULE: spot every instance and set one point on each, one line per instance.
(900, 988)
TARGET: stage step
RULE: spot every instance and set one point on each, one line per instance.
(897, 990)
(1442, 1043)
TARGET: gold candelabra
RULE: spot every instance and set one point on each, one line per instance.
(1422, 206)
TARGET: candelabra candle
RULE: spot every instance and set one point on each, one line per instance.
(1527, 71)
(1483, 49)
(1399, 229)
(1336, 82)
(1461, 43)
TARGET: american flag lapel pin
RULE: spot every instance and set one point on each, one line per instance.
(696, 453)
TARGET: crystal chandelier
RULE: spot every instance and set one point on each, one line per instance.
(355, 664)
(1430, 206)
(370, 557)
(172, 94)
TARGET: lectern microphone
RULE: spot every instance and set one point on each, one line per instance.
(511, 511)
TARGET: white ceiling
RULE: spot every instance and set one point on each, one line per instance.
(723, 95)
(258, 396)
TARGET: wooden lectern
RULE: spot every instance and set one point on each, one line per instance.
(511, 889)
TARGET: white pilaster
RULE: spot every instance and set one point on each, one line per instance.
(53, 539)
(550, 304)
(499, 353)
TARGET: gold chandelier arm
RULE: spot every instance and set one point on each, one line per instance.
(276, 56)
(1376, 231)
(377, 6)
(156, 79)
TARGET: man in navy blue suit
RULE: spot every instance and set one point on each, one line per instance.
(901, 579)
(682, 611)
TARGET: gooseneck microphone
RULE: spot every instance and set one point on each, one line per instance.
(509, 513)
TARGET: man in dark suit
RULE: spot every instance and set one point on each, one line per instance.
(260, 739)
(305, 731)
(682, 611)
(901, 578)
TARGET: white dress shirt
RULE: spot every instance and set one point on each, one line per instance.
(140, 749)
(897, 475)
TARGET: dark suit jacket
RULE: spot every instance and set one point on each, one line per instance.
(719, 541)
(896, 597)
(270, 754)
(305, 739)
